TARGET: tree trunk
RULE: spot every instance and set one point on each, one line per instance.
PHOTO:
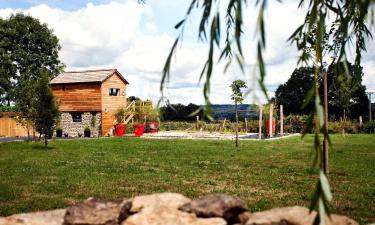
(28, 132)
(236, 123)
(45, 141)
(325, 155)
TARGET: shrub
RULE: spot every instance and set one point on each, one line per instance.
(59, 132)
(120, 115)
(343, 126)
(87, 131)
(369, 127)
(294, 123)
(8, 109)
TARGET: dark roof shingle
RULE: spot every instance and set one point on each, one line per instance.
(85, 76)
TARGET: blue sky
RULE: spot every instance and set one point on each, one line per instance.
(137, 38)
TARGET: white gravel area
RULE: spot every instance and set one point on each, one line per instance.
(208, 135)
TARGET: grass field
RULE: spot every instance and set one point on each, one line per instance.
(265, 174)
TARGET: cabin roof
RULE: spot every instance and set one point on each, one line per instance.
(86, 76)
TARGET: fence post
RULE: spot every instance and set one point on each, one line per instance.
(281, 120)
(360, 121)
(270, 122)
(246, 125)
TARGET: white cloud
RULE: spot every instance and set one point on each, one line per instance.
(129, 36)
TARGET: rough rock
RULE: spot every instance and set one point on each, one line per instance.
(53, 217)
(217, 205)
(295, 215)
(164, 215)
(94, 212)
(170, 209)
(170, 200)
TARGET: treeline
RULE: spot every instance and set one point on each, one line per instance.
(346, 94)
(180, 112)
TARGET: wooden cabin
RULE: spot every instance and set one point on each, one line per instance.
(89, 99)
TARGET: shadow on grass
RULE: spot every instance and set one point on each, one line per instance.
(41, 147)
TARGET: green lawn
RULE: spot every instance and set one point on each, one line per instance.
(265, 174)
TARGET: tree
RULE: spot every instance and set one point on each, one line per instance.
(133, 98)
(292, 94)
(46, 110)
(345, 91)
(26, 47)
(180, 112)
(237, 98)
(346, 94)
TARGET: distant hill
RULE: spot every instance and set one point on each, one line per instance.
(228, 111)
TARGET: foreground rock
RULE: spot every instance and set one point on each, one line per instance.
(293, 216)
(94, 212)
(53, 217)
(170, 209)
(217, 205)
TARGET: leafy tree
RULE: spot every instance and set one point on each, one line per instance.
(26, 46)
(237, 98)
(292, 94)
(346, 94)
(345, 91)
(25, 103)
(46, 110)
(133, 98)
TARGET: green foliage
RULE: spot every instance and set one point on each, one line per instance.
(120, 115)
(59, 132)
(93, 120)
(295, 123)
(87, 129)
(46, 111)
(345, 91)
(345, 126)
(236, 87)
(369, 127)
(292, 94)
(26, 46)
(8, 109)
(180, 112)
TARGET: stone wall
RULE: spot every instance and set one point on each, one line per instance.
(75, 128)
(171, 209)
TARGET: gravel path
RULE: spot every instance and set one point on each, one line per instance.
(207, 135)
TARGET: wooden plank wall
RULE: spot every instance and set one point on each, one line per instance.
(78, 97)
(10, 128)
(111, 103)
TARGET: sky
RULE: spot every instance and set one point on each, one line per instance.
(136, 39)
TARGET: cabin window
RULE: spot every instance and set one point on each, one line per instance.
(114, 91)
(76, 116)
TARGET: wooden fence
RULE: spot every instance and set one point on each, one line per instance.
(10, 128)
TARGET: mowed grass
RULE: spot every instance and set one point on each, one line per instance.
(266, 174)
